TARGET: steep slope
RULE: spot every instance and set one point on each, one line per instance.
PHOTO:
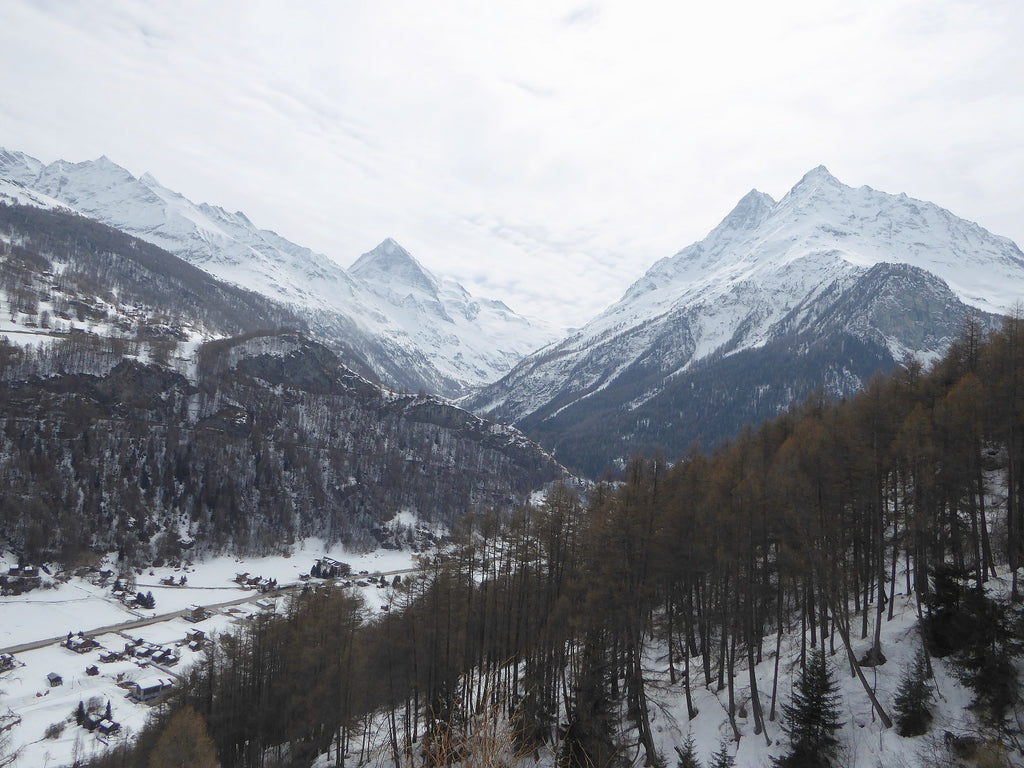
(441, 339)
(62, 274)
(464, 338)
(778, 300)
(272, 440)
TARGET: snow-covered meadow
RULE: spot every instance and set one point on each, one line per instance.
(41, 717)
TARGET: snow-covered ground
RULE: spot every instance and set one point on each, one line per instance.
(865, 742)
(80, 605)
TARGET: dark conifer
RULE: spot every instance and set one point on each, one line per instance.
(913, 698)
(722, 758)
(812, 717)
(688, 754)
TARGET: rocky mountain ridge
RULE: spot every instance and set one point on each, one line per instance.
(825, 264)
(432, 335)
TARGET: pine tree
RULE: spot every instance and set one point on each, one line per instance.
(722, 758)
(812, 717)
(688, 754)
(912, 699)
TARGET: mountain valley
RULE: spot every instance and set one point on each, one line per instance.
(808, 425)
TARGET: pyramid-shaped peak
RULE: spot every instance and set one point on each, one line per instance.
(816, 186)
(106, 163)
(391, 247)
(752, 209)
(818, 177)
(102, 165)
(391, 264)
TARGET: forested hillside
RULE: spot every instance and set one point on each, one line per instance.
(538, 630)
(274, 440)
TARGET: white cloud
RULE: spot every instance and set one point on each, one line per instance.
(543, 153)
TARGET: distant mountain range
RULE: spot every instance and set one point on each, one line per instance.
(818, 290)
(417, 331)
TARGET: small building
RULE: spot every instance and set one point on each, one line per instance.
(149, 688)
(108, 727)
(195, 639)
(266, 605)
(195, 613)
(54, 680)
(328, 568)
(92, 670)
(80, 644)
(6, 662)
(166, 656)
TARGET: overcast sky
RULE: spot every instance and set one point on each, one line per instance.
(545, 153)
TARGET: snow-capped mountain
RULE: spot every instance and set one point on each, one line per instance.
(419, 331)
(471, 339)
(769, 289)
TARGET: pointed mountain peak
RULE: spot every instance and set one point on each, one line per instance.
(818, 172)
(817, 178)
(103, 166)
(817, 187)
(107, 164)
(750, 211)
(392, 265)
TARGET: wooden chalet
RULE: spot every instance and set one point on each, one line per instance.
(195, 613)
(80, 643)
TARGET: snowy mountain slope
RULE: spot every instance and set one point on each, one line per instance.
(429, 334)
(770, 274)
(469, 338)
(16, 169)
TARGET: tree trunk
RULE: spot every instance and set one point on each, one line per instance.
(843, 630)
